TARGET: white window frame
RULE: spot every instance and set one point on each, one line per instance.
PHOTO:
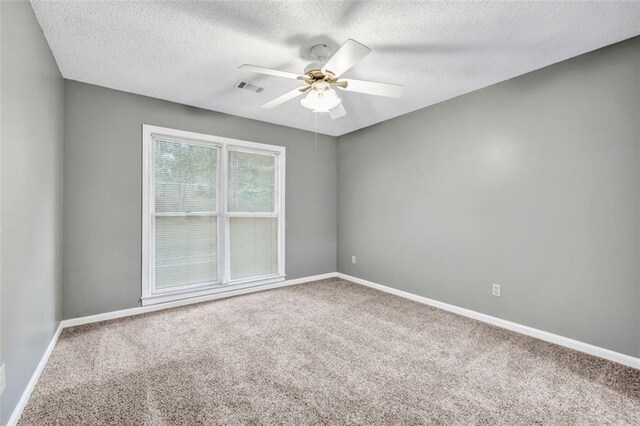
(151, 295)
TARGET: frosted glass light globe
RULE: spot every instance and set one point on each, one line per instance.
(321, 101)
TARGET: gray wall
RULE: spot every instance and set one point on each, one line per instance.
(102, 200)
(31, 193)
(533, 183)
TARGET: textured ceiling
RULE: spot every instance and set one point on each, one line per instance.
(189, 52)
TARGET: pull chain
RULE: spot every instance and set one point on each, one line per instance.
(315, 135)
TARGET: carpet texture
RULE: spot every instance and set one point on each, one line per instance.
(329, 352)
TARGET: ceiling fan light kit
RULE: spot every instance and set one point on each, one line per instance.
(322, 78)
(321, 101)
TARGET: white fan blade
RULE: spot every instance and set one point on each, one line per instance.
(269, 71)
(337, 111)
(282, 99)
(349, 54)
(373, 88)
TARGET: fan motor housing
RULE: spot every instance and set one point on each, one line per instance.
(313, 66)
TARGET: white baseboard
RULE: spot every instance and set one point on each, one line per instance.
(523, 329)
(518, 328)
(174, 304)
(17, 411)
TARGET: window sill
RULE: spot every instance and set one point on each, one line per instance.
(217, 289)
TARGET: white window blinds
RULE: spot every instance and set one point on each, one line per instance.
(185, 177)
(214, 214)
(186, 232)
(186, 250)
(251, 182)
(251, 194)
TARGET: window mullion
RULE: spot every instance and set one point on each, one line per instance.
(224, 221)
(220, 194)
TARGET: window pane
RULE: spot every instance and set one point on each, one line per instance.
(251, 182)
(185, 178)
(254, 246)
(186, 250)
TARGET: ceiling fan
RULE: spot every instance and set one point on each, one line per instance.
(322, 76)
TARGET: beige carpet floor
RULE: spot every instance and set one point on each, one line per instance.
(329, 352)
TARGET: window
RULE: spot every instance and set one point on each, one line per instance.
(213, 214)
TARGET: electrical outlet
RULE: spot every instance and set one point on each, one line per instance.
(3, 381)
(353, 260)
(496, 290)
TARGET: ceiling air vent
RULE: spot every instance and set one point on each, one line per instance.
(248, 86)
